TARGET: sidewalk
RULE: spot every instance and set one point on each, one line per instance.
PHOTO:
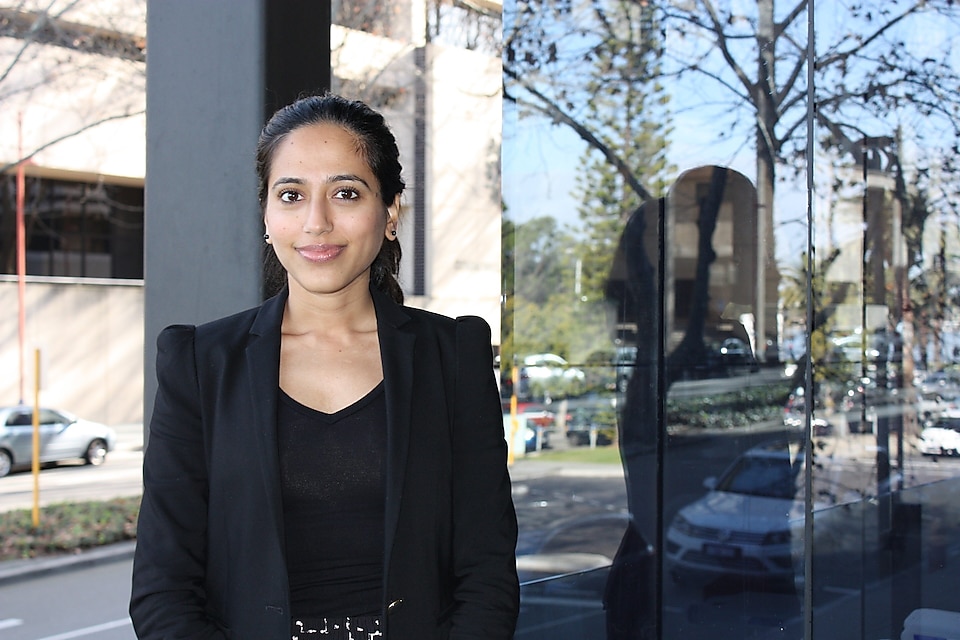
(17, 570)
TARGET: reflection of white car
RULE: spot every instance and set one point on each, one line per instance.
(543, 366)
(940, 441)
(853, 348)
(743, 525)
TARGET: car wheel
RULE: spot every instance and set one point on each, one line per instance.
(96, 452)
(6, 462)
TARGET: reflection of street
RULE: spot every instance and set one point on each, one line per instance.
(547, 495)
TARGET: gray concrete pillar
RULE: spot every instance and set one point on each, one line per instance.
(215, 71)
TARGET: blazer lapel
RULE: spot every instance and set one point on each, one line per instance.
(396, 353)
(263, 373)
(397, 343)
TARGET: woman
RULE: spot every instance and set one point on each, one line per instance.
(331, 463)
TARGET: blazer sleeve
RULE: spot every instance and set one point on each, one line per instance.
(487, 593)
(168, 597)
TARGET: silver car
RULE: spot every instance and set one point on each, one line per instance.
(62, 437)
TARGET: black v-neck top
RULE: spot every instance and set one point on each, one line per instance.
(332, 469)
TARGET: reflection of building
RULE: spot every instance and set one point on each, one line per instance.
(865, 222)
(734, 293)
(710, 283)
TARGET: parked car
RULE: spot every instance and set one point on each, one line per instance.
(548, 365)
(586, 423)
(536, 420)
(548, 375)
(939, 441)
(742, 526)
(62, 437)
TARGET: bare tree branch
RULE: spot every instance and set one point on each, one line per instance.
(549, 108)
(67, 136)
(748, 84)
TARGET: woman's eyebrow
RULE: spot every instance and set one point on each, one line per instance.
(348, 177)
(284, 180)
(340, 177)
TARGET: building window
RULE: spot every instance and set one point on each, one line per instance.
(73, 228)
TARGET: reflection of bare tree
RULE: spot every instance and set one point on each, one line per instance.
(370, 16)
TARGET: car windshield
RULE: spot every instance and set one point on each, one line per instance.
(769, 477)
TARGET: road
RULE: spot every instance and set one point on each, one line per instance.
(571, 608)
(89, 602)
(121, 475)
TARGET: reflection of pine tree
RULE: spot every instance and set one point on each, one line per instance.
(628, 110)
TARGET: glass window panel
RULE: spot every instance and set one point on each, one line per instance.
(772, 315)
(74, 229)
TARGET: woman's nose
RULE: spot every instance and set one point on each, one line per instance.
(317, 220)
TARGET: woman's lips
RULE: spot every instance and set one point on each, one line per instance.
(320, 252)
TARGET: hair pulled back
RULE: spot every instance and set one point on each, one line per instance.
(376, 146)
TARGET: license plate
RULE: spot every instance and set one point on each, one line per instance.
(721, 551)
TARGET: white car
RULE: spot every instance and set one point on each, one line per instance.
(743, 525)
(541, 366)
(939, 441)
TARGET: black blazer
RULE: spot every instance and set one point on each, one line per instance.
(210, 560)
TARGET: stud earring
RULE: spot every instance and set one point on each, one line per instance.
(266, 237)
(393, 232)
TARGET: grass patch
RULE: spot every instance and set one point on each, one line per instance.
(67, 528)
(609, 454)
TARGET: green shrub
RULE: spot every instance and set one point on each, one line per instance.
(726, 410)
(67, 527)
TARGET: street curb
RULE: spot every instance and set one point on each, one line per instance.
(17, 570)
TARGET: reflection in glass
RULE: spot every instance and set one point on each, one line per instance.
(731, 268)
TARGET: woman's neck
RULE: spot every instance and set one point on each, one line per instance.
(347, 311)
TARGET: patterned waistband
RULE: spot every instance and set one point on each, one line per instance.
(336, 628)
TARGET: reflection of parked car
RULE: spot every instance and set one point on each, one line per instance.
(547, 374)
(742, 526)
(852, 348)
(530, 435)
(624, 362)
(62, 437)
(536, 420)
(591, 423)
(540, 366)
(939, 441)
(735, 353)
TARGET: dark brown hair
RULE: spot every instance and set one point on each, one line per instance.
(377, 147)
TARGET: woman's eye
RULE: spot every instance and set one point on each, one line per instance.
(346, 193)
(290, 196)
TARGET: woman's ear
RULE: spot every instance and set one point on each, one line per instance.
(393, 219)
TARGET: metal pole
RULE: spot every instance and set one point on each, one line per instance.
(36, 439)
(21, 254)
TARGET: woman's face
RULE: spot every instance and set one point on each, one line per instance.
(323, 211)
